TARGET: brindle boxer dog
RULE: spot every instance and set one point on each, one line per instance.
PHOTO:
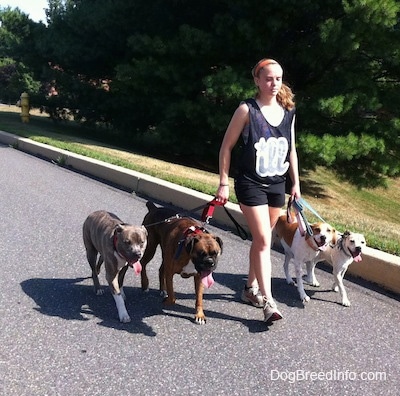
(187, 249)
(120, 246)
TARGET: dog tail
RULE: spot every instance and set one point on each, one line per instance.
(150, 206)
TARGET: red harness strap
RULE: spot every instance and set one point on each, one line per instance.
(191, 230)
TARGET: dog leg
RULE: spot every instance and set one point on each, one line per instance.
(340, 286)
(118, 298)
(199, 318)
(91, 254)
(289, 280)
(161, 278)
(122, 312)
(299, 279)
(147, 256)
(310, 278)
(121, 276)
(169, 285)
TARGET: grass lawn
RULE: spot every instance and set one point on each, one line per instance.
(373, 212)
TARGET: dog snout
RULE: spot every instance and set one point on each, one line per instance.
(135, 255)
(358, 249)
(205, 264)
(323, 238)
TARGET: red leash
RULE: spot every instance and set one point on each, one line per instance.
(208, 212)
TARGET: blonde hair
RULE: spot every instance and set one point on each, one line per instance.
(285, 96)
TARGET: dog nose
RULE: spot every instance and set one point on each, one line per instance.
(323, 238)
(358, 249)
(210, 262)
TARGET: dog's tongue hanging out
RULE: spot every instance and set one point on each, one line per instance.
(207, 278)
(357, 257)
(137, 267)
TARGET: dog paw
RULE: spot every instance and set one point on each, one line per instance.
(125, 319)
(201, 320)
(335, 289)
(305, 299)
(99, 292)
(290, 282)
(346, 303)
(164, 294)
(169, 301)
(311, 282)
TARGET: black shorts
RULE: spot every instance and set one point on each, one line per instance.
(252, 193)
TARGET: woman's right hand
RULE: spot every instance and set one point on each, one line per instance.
(222, 194)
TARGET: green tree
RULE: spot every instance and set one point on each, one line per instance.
(15, 38)
(177, 70)
(348, 95)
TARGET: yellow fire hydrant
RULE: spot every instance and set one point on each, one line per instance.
(24, 107)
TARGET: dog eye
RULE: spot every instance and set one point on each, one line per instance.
(127, 242)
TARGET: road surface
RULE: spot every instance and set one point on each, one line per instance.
(58, 338)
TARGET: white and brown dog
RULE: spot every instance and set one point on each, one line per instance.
(301, 247)
(347, 249)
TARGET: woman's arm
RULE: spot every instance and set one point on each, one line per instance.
(238, 121)
(294, 165)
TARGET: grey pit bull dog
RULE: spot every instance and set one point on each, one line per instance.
(120, 246)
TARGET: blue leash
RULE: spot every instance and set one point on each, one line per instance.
(303, 203)
(299, 205)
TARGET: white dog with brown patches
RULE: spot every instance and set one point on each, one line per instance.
(347, 249)
(301, 247)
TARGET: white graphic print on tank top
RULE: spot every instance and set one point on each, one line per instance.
(271, 155)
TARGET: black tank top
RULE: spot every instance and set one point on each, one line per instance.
(266, 149)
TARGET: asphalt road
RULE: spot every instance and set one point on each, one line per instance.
(58, 338)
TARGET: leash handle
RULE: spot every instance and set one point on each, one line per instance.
(208, 211)
(301, 217)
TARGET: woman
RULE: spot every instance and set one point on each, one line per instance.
(265, 125)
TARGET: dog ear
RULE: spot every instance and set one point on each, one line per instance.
(335, 236)
(346, 234)
(144, 229)
(316, 228)
(220, 243)
(190, 244)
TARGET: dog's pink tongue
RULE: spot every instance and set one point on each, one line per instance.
(207, 278)
(358, 258)
(137, 267)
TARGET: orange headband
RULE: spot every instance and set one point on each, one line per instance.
(262, 64)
